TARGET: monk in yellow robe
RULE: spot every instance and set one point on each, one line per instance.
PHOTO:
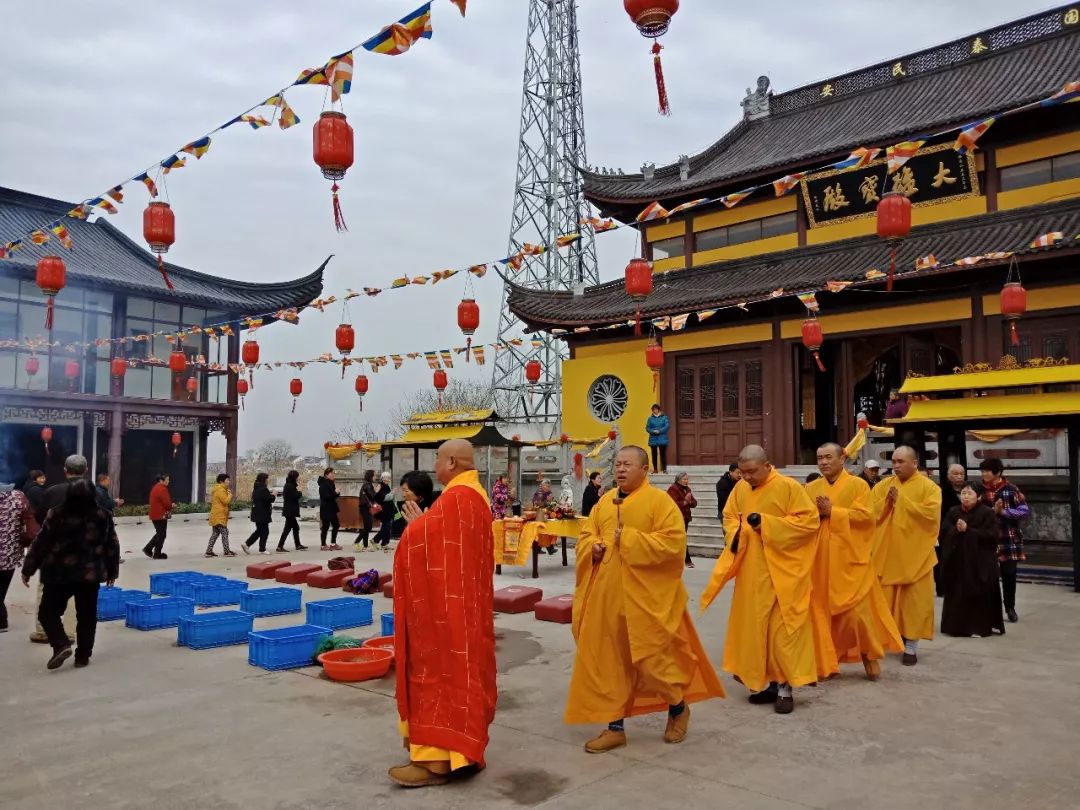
(637, 649)
(773, 526)
(846, 587)
(907, 511)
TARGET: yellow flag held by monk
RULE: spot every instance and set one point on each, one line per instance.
(769, 635)
(637, 649)
(907, 514)
(846, 588)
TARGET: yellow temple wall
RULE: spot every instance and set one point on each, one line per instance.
(623, 359)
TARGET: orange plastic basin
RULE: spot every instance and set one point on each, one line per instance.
(357, 664)
(382, 643)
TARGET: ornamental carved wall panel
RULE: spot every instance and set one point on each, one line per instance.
(42, 415)
(138, 421)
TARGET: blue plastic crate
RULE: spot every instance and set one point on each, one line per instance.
(185, 586)
(154, 614)
(347, 611)
(215, 594)
(271, 601)
(112, 602)
(205, 630)
(160, 584)
(285, 647)
(387, 624)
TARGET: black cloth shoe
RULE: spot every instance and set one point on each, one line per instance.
(59, 657)
(784, 705)
(765, 696)
(81, 662)
(148, 552)
(301, 548)
(909, 659)
(1010, 614)
(161, 556)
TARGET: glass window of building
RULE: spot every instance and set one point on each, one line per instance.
(1023, 175)
(669, 248)
(744, 232)
(778, 225)
(711, 239)
(1066, 167)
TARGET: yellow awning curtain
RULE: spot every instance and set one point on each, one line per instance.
(1065, 403)
(985, 380)
(438, 434)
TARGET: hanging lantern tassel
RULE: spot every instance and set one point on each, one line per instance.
(637, 321)
(49, 314)
(892, 270)
(1014, 336)
(817, 359)
(339, 218)
(468, 348)
(661, 90)
(164, 272)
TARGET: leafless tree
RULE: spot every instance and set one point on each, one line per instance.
(459, 395)
(274, 453)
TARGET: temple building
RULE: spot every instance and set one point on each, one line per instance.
(149, 420)
(726, 271)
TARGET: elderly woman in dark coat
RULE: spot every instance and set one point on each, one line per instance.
(970, 569)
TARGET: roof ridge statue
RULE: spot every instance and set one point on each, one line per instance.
(756, 103)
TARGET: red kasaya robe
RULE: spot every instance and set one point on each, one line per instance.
(444, 632)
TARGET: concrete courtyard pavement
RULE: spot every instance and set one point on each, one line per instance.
(979, 723)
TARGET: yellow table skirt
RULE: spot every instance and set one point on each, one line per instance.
(515, 549)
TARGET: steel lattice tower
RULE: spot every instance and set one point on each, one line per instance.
(548, 202)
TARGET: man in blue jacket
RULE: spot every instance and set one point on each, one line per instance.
(657, 428)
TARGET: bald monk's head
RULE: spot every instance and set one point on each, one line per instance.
(453, 458)
(905, 462)
(754, 465)
(631, 468)
(830, 461)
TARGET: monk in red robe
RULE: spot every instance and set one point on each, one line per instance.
(444, 631)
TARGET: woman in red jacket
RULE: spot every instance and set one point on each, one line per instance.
(683, 496)
(160, 511)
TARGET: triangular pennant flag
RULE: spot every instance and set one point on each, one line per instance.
(651, 212)
(901, 153)
(146, 180)
(198, 148)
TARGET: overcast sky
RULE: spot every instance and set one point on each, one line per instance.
(94, 92)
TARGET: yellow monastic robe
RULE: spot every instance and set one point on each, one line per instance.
(769, 635)
(637, 649)
(904, 554)
(846, 586)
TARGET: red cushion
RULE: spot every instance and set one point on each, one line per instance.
(296, 573)
(517, 599)
(388, 588)
(558, 609)
(329, 579)
(265, 570)
(385, 577)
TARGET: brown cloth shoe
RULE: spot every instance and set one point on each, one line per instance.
(677, 727)
(909, 659)
(784, 705)
(873, 669)
(607, 741)
(421, 774)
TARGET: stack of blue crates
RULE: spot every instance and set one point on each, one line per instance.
(216, 594)
(270, 601)
(185, 586)
(348, 611)
(112, 602)
(155, 614)
(205, 630)
(162, 584)
(285, 647)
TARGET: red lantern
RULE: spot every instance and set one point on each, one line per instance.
(638, 286)
(241, 390)
(893, 223)
(332, 149)
(118, 367)
(533, 370)
(71, 372)
(296, 388)
(654, 359)
(612, 435)
(249, 354)
(812, 339)
(345, 340)
(46, 436)
(176, 441)
(192, 386)
(177, 361)
(1013, 305)
(652, 18)
(32, 368)
(361, 388)
(51, 277)
(579, 466)
(440, 382)
(468, 320)
(159, 231)
(564, 438)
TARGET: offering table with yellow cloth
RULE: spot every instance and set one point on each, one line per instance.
(516, 538)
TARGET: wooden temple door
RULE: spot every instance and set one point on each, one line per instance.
(718, 406)
(920, 355)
